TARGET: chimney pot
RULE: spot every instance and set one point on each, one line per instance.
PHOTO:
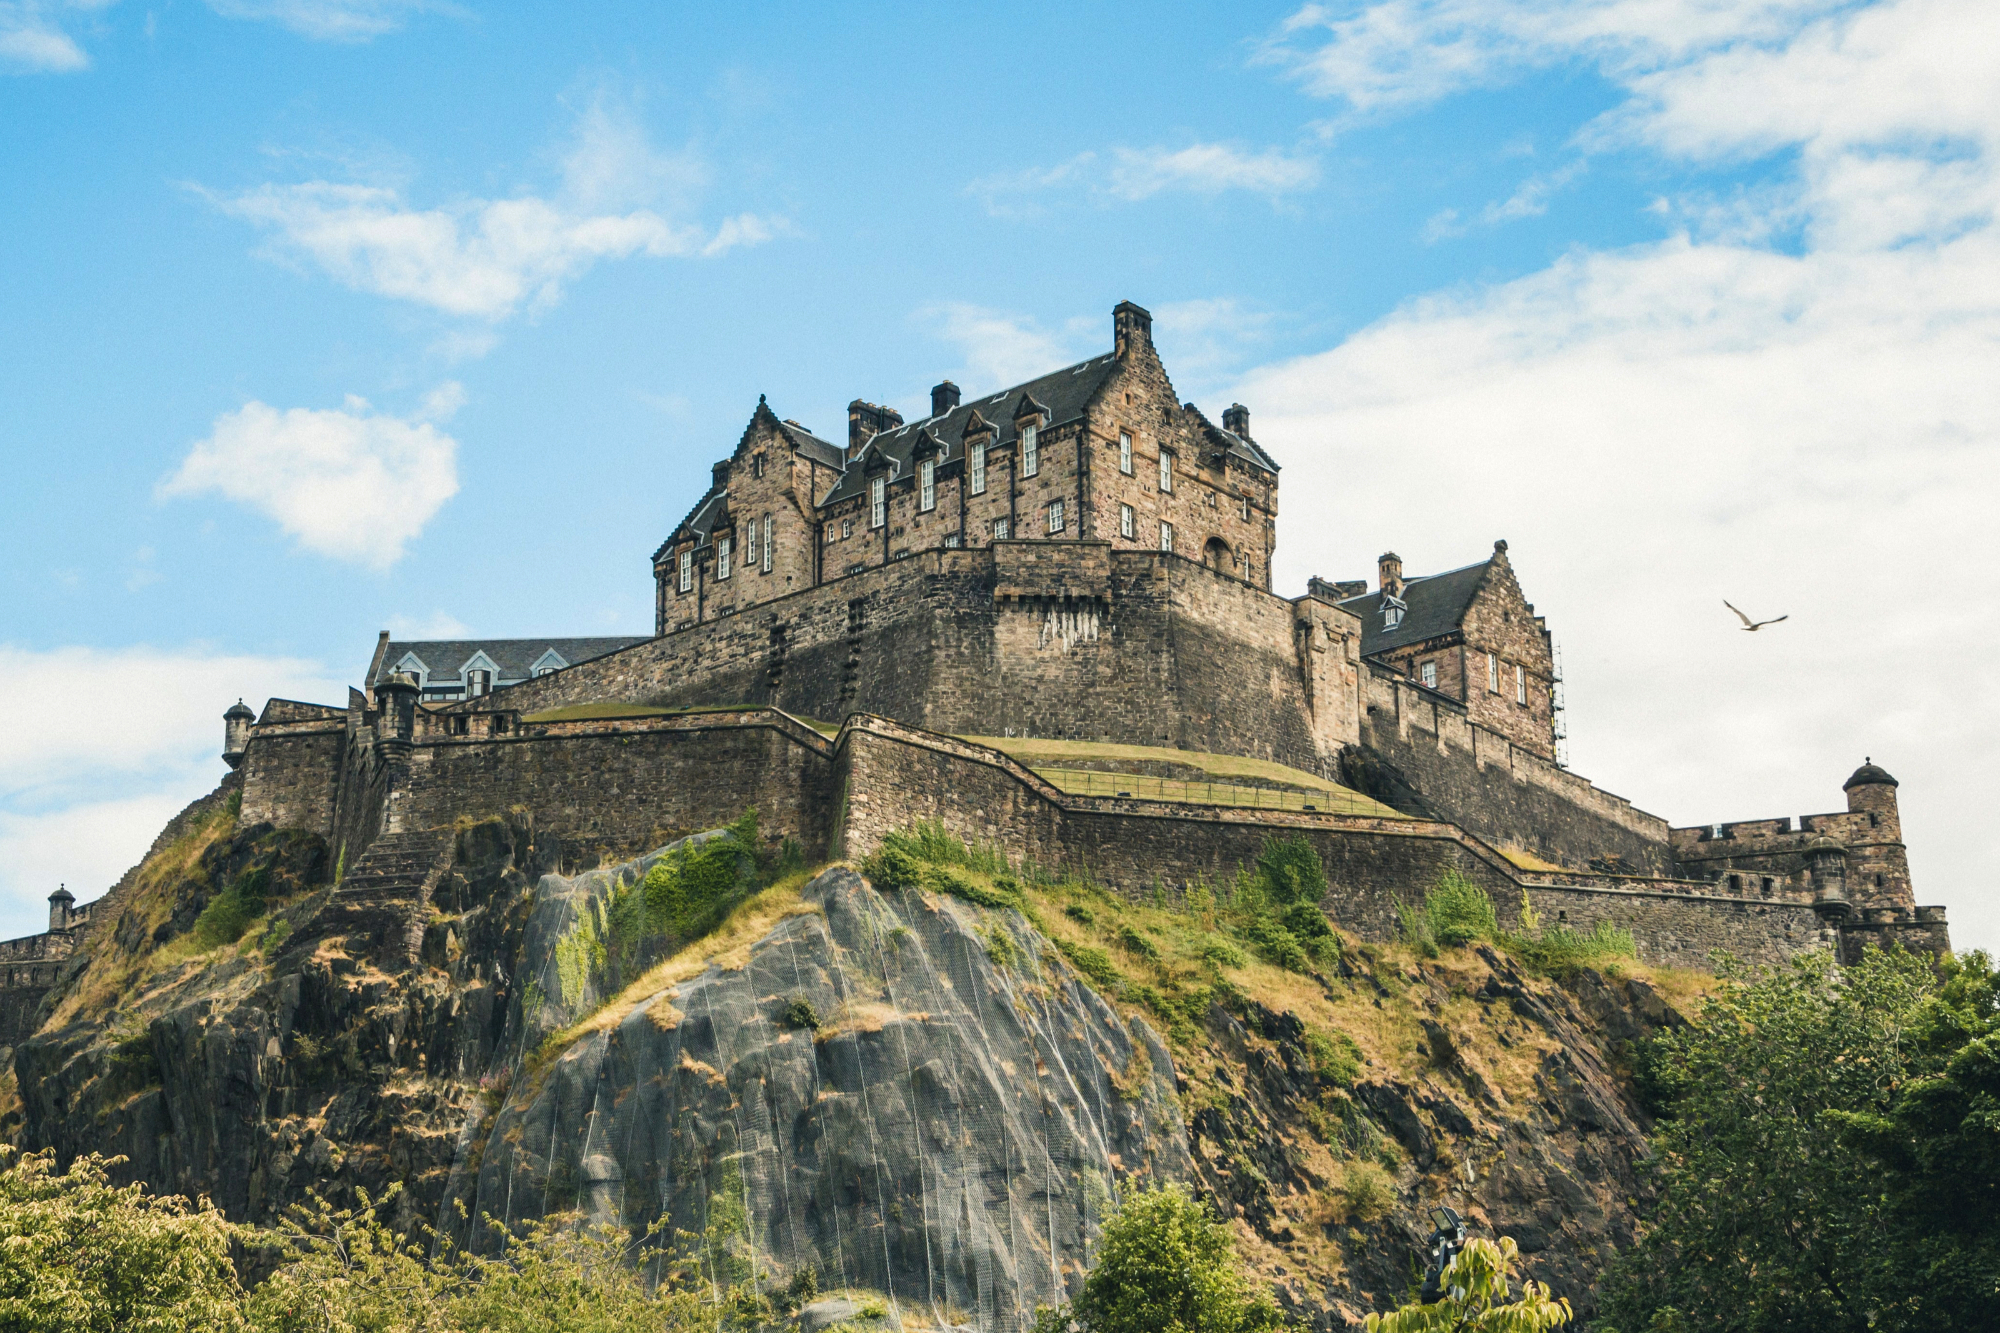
(1236, 420)
(944, 397)
(1389, 569)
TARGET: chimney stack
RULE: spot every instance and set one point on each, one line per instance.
(1236, 420)
(720, 473)
(866, 420)
(944, 397)
(1131, 327)
(1390, 570)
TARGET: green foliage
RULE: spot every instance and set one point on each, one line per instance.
(930, 843)
(1828, 1155)
(1078, 912)
(1476, 1297)
(1093, 963)
(1291, 871)
(1165, 1265)
(1219, 952)
(80, 1255)
(230, 912)
(1455, 912)
(1138, 944)
(1369, 1192)
(1000, 946)
(799, 1015)
(1335, 1057)
(1278, 906)
(1560, 951)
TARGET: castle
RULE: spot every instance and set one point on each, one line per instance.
(852, 637)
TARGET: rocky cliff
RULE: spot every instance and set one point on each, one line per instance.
(911, 1092)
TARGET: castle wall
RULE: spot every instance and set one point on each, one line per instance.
(1877, 868)
(1483, 782)
(620, 786)
(291, 774)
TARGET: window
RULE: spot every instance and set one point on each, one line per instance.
(1492, 673)
(846, 527)
(951, 542)
(1246, 509)
(1125, 452)
(1520, 684)
(979, 469)
(927, 485)
(878, 503)
(722, 557)
(1000, 529)
(757, 465)
(767, 543)
(1056, 516)
(544, 671)
(478, 684)
(687, 569)
(1031, 458)
(1429, 674)
(1166, 470)
(1166, 536)
(750, 545)
(1126, 524)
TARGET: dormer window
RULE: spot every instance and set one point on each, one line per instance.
(927, 485)
(687, 568)
(1392, 611)
(878, 503)
(1031, 457)
(478, 684)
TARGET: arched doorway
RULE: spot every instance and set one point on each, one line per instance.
(1216, 556)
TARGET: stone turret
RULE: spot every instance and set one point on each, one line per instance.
(236, 733)
(62, 907)
(396, 724)
(1826, 861)
(1879, 869)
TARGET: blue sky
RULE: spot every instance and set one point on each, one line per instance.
(324, 316)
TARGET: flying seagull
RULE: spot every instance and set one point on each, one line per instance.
(1752, 626)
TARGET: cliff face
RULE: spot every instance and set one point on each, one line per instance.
(901, 1090)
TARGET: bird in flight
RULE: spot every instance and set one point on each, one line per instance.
(1750, 625)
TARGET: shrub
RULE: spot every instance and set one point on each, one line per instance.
(230, 912)
(1368, 1191)
(1219, 952)
(1136, 943)
(799, 1015)
(1276, 944)
(1560, 951)
(1455, 911)
(1334, 1055)
(1093, 963)
(1291, 871)
(1078, 912)
(1164, 1263)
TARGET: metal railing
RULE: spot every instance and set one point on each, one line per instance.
(1139, 786)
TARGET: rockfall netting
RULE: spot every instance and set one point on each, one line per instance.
(902, 1091)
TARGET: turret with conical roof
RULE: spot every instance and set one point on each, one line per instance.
(62, 905)
(1878, 869)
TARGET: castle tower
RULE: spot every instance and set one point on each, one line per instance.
(1878, 868)
(396, 725)
(60, 904)
(236, 733)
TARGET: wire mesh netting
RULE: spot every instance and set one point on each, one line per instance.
(877, 1089)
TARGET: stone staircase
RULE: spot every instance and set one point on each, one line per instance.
(385, 892)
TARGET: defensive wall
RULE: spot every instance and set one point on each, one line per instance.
(610, 786)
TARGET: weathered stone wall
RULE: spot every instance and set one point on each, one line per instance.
(1483, 782)
(1513, 698)
(609, 787)
(291, 774)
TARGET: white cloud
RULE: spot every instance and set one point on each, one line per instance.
(1660, 427)
(1203, 339)
(1001, 349)
(33, 40)
(436, 625)
(83, 791)
(1133, 174)
(1530, 199)
(485, 259)
(328, 20)
(349, 483)
(1208, 168)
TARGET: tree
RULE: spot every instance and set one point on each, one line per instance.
(81, 1255)
(1828, 1156)
(1165, 1265)
(1476, 1298)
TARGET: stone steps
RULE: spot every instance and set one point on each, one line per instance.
(398, 868)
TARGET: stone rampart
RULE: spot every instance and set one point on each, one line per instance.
(1423, 745)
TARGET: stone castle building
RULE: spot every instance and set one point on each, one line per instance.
(841, 630)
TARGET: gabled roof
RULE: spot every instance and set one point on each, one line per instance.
(1240, 446)
(1063, 394)
(1436, 605)
(812, 446)
(513, 658)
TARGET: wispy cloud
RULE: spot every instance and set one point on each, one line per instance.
(998, 348)
(331, 20)
(1133, 174)
(486, 259)
(1530, 199)
(350, 483)
(34, 40)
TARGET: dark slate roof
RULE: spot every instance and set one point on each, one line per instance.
(1436, 605)
(1241, 446)
(1063, 394)
(1870, 773)
(823, 452)
(515, 658)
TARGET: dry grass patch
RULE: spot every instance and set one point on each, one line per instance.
(1036, 752)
